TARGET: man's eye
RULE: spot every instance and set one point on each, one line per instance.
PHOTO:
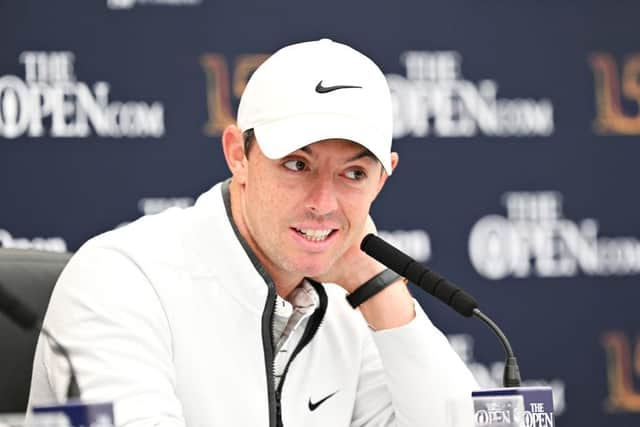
(356, 174)
(295, 165)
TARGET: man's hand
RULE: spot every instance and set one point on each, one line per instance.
(354, 267)
(390, 308)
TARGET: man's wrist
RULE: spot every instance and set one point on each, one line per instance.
(372, 286)
(390, 308)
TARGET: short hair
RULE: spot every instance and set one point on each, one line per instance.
(248, 137)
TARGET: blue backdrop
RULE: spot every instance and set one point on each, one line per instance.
(517, 125)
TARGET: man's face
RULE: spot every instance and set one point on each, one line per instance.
(302, 212)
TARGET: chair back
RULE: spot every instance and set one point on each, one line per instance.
(29, 275)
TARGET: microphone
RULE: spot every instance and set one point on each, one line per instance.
(24, 317)
(431, 282)
(426, 279)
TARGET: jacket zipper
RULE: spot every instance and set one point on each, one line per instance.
(269, 359)
(267, 314)
(312, 327)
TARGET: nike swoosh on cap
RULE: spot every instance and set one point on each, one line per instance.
(313, 406)
(327, 89)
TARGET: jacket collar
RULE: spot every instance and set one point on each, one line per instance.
(223, 255)
(243, 274)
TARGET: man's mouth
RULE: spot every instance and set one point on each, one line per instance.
(314, 235)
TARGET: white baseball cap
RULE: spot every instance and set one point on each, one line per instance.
(311, 91)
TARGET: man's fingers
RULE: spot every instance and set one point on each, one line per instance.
(370, 226)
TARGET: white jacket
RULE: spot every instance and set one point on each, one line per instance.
(170, 318)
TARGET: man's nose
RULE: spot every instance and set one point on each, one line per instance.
(322, 198)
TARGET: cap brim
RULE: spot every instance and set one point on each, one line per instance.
(281, 137)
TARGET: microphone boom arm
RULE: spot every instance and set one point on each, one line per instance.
(511, 374)
(436, 285)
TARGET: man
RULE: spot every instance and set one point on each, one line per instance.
(215, 315)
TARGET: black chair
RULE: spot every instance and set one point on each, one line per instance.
(29, 275)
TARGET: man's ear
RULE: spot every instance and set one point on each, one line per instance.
(395, 158)
(383, 177)
(233, 147)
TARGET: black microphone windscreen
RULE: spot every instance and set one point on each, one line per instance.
(464, 303)
(13, 308)
(428, 280)
(388, 255)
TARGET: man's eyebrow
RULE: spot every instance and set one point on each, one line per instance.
(363, 153)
